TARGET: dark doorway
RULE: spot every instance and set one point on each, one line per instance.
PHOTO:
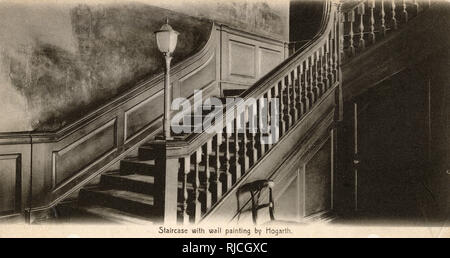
(389, 146)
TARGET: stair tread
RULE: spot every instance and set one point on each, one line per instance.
(115, 215)
(134, 177)
(122, 194)
(137, 160)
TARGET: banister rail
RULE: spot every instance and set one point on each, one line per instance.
(209, 164)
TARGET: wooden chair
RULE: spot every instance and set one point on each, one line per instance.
(255, 188)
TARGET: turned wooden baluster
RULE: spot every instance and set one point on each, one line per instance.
(296, 92)
(237, 156)
(196, 200)
(351, 34)
(302, 91)
(324, 68)
(270, 93)
(361, 12)
(287, 85)
(306, 88)
(208, 194)
(331, 52)
(254, 145)
(186, 167)
(318, 75)
(338, 46)
(383, 20)
(278, 93)
(393, 13)
(417, 8)
(245, 142)
(227, 160)
(372, 21)
(405, 11)
(313, 82)
(262, 115)
(217, 167)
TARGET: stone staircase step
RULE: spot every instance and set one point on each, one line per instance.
(135, 203)
(136, 166)
(115, 216)
(132, 182)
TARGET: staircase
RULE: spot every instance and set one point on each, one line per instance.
(189, 178)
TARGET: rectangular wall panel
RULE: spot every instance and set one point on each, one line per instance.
(10, 184)
(318, 181)
(199, 79)
(143, 114)
(82, 153)
(242, 59)
(269, 59)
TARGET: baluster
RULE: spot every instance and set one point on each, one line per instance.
(269, 117)
(312, 85)
(261, 115)
(372, 21)
(405, 11)
(338, 47)
(278, 93)
(218, 167)
(227, 160)
(237, 156)
(302, 92)
(275, 123)
(340, 40)
(318, 84)
(417, 7)
(293, 94)
(253, 144)
(307, 93)
(394, 19)
(361, 12)
(208, 194)
(324, 67)
(196, 201)
(351, 34)
(186, 166)
(287, 86)
(245, 142)
(383, 20)
(296, 92)
(331, 51)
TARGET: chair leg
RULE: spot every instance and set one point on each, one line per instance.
(271, 205)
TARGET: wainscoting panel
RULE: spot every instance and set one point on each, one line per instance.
(10, 184)
(199, 79)
(81, 154)
(138, 117)
(317, 181)
(270, 58)
(242, 59)
(245, 58)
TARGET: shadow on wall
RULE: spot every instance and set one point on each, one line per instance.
(61, 61)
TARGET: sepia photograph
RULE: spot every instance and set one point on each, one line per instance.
(225, 119)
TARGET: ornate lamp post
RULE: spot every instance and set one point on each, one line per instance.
(166, 39)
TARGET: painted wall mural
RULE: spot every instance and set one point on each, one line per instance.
(61, 60)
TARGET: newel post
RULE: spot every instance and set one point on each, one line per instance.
(166, 183)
